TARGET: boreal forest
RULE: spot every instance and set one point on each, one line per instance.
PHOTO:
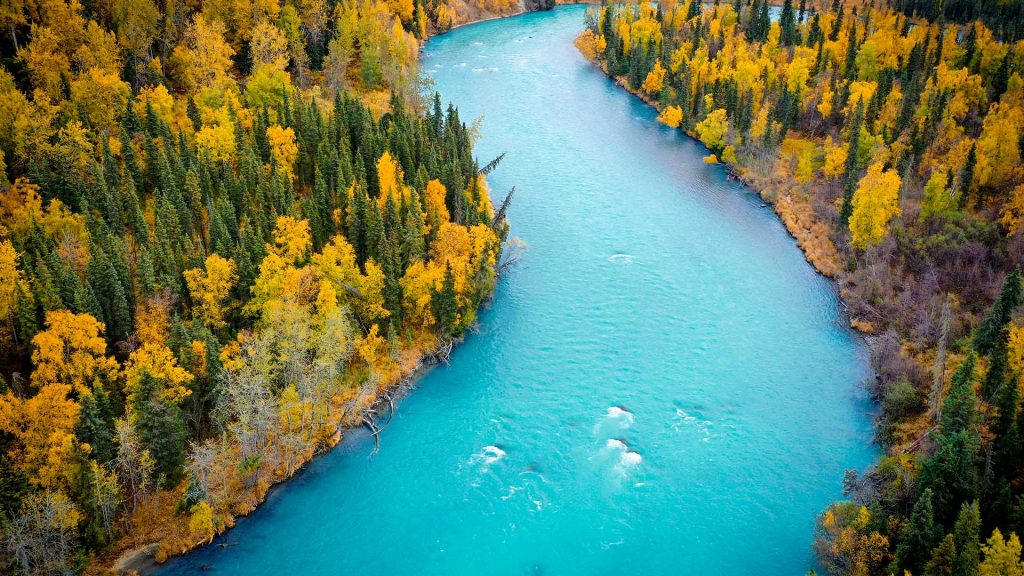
(888, 137)
(227, 229)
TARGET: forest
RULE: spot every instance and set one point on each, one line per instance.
(889, 138)
(227, 229)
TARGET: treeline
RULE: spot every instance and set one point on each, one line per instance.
(216, 248)
(1005, 18)
(891, 147)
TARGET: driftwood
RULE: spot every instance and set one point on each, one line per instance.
(372, 424)
(376, 434)
(391, 404)
(917, 442)
(499, 216)
(444, 351)
(492, 164)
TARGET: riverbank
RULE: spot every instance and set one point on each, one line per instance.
(620, 303)
(812, 234)
(143, 551)
(145, 559)
(162, 527)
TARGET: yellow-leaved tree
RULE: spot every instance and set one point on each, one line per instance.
(671, 116)
(655, 79)
(284, 148)
(875, 203)
(43, 428)
(1002, 556)
(71, 350)
(712, 129)
(210, 288)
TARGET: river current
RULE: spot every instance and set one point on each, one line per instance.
(662, 385)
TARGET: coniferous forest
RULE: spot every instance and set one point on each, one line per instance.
(889, 138)
(226, 230)
(229, 231)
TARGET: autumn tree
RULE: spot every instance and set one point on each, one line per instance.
(210, 288)
(72, 351)
(874, 205)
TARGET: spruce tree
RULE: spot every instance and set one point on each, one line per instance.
(967, 175)
(852, 164)
(445, 304)
(920, 536)
(787, 22)
(374, 237)
(942, 558)
(960, 409)
(837, 25)
(161, 428)
(95, 425)
(967, 535)
(999, 316)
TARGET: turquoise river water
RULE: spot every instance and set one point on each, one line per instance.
(662, 386)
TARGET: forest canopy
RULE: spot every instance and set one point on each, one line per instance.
(226, 229)
(889, 139)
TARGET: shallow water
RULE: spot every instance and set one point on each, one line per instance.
(662, 386)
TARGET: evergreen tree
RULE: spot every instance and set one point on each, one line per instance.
(837, 25)
(852, 165)
(161, 428)
(787, 22)
(920, 536)
(967, 175)
(999, 316)
(942, 559)
(446, 304)
(967, 534)
(960, 410)
(95, 425)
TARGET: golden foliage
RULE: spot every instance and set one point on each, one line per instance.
(283, 148)
(712, 129)
(1013, 211)
(1015, 354)
(671, 116)
(204, 59)
(655, 79)
(437, 208)
(71, 351)
(158, 361)
(218, 137)
(200, 522)
(210, 288)
(43, 429)
(292, 239)
(874, 204)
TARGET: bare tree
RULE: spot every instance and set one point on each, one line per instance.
(939, 371)
(41, 539)
(133, 463)
(106, 497)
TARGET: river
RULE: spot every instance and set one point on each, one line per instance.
(662, 386)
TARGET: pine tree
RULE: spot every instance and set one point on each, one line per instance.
(412, 243)
(920, 536)
(996, 376)
(95, 425)
(161, 428)
(942, 559)
(837, 9)
(967, 534)
(852, 165)
(999, 316)
(446, 305)
(967, 175)
(787, 22)
(960, 410)
(374, 237)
